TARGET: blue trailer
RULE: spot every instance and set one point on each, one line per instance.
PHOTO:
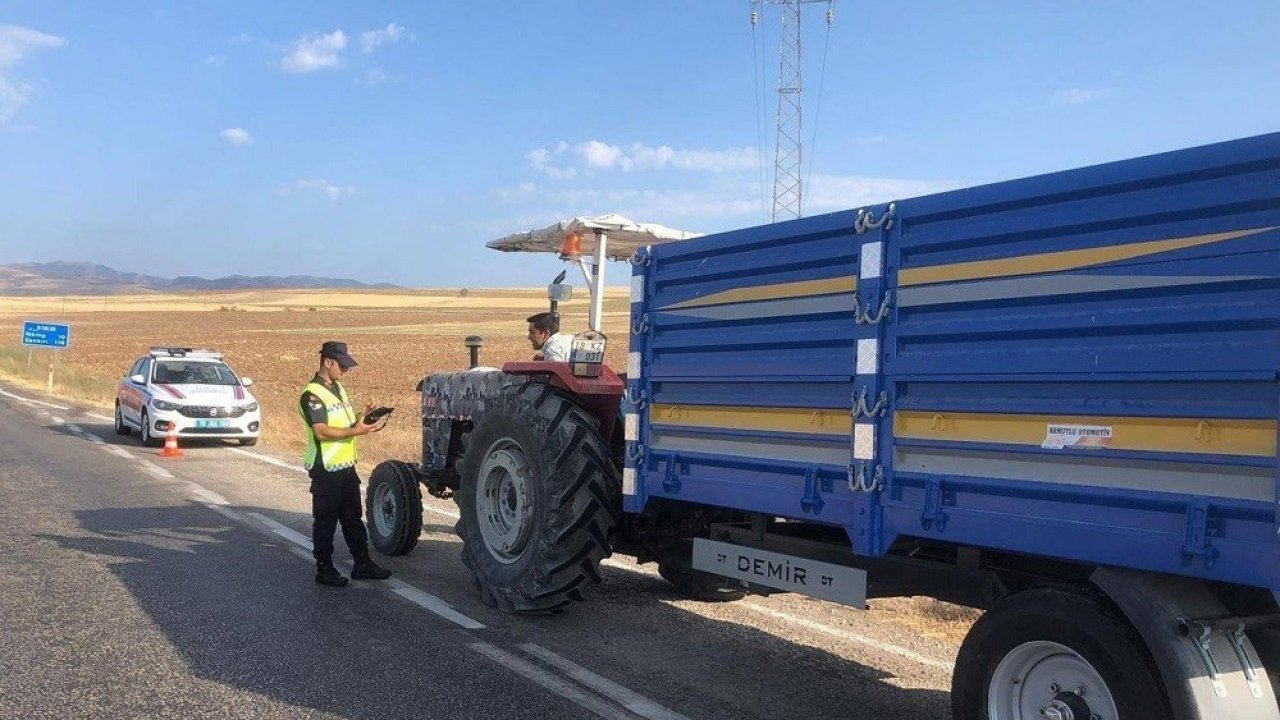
(1054, 398)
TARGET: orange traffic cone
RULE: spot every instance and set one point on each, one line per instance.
(170, 449)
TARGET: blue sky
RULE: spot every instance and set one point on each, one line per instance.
(388, 141)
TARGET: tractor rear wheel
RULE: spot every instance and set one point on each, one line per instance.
(539, 498)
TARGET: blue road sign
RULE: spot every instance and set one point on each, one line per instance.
(43, 334)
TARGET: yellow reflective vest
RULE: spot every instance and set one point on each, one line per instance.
(336, 454)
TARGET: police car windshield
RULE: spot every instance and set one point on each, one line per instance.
(172, 372)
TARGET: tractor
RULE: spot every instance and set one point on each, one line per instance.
(533, 454)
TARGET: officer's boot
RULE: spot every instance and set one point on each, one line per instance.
(327, 574)
(366, 569)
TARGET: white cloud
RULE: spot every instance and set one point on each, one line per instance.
(236, 136)
(315, 52)
(333, 192)
(371, 39)
(829, 193)
(1079, 96)
(373, 78)
(16, 44)
(599, 155)
(540, 160)
(241, 39)
(215, 60)
(733, 203)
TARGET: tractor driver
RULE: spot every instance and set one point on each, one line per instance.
(546, 338)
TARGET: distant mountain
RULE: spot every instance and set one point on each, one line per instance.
(70, 278)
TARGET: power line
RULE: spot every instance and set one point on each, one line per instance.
(788, 147)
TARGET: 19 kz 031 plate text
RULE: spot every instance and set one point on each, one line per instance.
(836, 583)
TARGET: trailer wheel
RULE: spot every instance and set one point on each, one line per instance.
(676, 567)
(538, 499)
(1050, 653)
(393, 508)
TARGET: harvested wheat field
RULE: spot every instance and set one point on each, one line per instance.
(274, 337)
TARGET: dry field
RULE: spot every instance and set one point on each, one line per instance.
(274, 337)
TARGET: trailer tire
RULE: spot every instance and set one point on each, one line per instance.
(539, 499)
(1013, 659)
(393, 508)
(676, 567)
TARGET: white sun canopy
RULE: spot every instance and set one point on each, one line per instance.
(604, 237)
(623, 236)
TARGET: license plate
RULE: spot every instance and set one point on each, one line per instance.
(213, 423)
(587, 351)
(836, 583)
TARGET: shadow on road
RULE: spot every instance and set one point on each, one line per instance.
(242, 610)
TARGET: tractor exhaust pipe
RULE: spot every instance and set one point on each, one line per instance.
(474, 343)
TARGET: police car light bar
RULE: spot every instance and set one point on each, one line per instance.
(185, 352)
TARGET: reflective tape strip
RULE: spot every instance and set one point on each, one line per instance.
(628, 481)
(637, 288)
(632, 421)
(872, 260)
(868, 357)
(633, 366)
(864, 441)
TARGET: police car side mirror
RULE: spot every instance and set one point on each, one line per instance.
(137, 380)
(246, 381)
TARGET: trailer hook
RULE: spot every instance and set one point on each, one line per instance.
(640, 325)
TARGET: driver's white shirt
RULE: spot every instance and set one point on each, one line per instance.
(556, 348)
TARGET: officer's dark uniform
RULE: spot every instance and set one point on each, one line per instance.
(335, 494)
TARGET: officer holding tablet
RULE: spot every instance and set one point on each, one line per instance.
(331, 430)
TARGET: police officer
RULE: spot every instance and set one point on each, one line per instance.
(332, 428)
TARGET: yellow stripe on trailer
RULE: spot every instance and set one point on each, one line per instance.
(723, 417)
(1207, 436)
(778, 291)
(1058, 261)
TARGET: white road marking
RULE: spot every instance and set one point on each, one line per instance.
(269, 460)
(445, 513)
(283, 531)
(155, 469)
(33, 402)
(427, 601)
(561, 687)
(852, 636)
(630, 567)
(422, 599)
(228, 513)
(117, 451)
(96, 416)
(636, 703)
(58, 420)
(209, 495)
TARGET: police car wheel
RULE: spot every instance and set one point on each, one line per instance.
(121, 428)
(539, 498)
(145, 434)
(393, 508)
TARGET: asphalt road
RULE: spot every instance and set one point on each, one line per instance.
(139, 586)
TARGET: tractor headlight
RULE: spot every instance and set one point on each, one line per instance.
(162, 405)
(251, 407)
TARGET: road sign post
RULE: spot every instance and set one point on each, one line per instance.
(43, 334)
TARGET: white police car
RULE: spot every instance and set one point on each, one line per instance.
(189, 390)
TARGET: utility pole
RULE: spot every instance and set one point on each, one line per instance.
(788, 149)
